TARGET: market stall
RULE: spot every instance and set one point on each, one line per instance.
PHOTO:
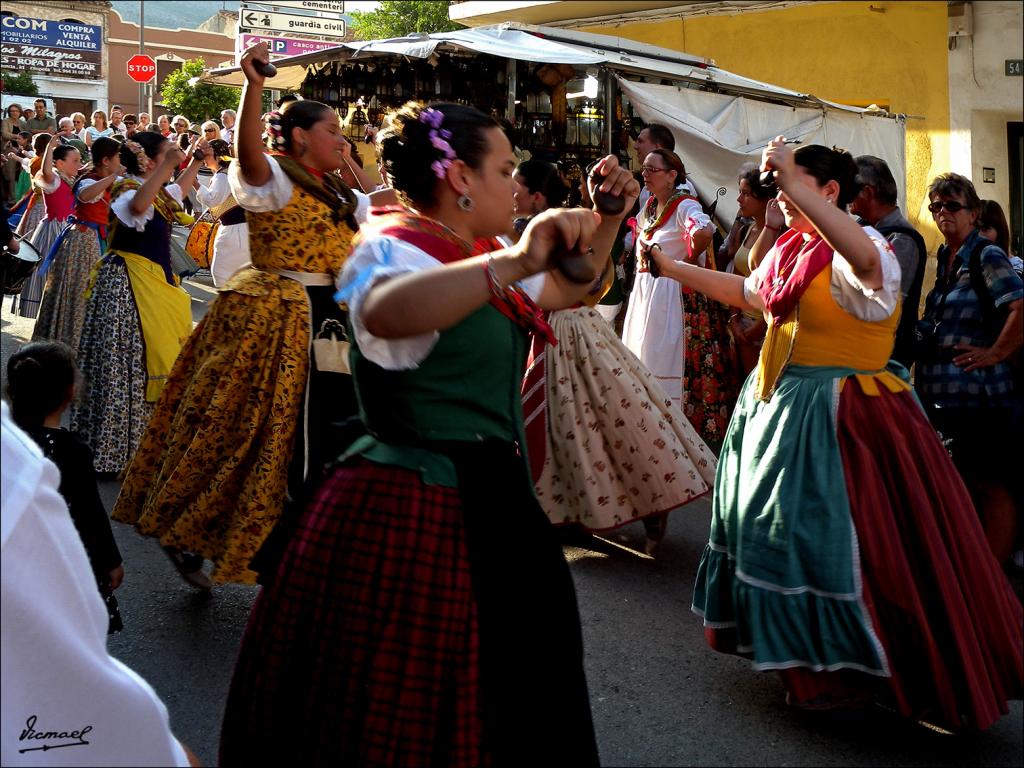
(573, 96)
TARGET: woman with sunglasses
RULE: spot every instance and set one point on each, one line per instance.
(844, 549)
(968, 375)
(80, 129)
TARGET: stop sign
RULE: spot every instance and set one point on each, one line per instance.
(141, 68)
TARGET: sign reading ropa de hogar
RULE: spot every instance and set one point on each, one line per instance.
(49, 47)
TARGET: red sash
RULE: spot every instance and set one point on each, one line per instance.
(444, 245)
(792, 264)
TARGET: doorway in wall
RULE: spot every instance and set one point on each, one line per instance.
(1015, 153)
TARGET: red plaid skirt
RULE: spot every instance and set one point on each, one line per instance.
(383, 639)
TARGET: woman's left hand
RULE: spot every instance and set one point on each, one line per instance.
(973, 358)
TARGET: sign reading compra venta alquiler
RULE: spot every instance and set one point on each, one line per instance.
(48, 47)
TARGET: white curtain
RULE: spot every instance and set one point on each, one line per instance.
(716, 134)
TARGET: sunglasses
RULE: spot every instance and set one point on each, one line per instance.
(210, 130)
(950, 205)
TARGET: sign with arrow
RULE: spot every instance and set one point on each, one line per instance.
(262, 21)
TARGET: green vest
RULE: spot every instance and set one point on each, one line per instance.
(467, 389)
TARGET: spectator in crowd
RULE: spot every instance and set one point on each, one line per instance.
(971, 330)
(117, 119)
(653, 137)
(876, 206)
(66, 128)
(10, 127)
(748, 326)
(144, 121)
(210, 131)
(40, 120)
(98, 128)
(27, 114)
(164, 124)
(992, 226)
(227, 119)
(78, 119)
(180, 125)
(64, 634)
(131, 125)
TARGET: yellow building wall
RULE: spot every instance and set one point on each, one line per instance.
(840, 51)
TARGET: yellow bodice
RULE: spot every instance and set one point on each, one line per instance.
(301, 237)
(821, 333)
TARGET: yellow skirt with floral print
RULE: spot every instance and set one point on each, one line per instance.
(211, 471)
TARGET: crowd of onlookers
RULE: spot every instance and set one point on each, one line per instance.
(22, 125)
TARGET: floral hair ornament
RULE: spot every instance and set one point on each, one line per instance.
(274, 129)
(141, 158)
(439, 139)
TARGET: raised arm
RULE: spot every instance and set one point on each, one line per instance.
(46, 172)
(248, 127)
(845, 236)
(166, 164)
(437, 299)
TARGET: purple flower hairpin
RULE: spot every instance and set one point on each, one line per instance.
(439, 140)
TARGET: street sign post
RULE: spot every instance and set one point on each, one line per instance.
(141, 68)
(263, 21)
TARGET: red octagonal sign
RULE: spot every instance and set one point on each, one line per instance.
(141, 68)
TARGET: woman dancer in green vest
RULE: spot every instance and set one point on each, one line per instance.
(423, 613)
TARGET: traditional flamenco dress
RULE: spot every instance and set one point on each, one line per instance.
(246, 417)
(844, 548)
(59, 204)
(607, 446)
(392, 633)
(136, 318)
(68, 266)
(654, 328)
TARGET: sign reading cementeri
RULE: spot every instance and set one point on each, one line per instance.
(50, 47)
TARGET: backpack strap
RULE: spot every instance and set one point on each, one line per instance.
(980, 287)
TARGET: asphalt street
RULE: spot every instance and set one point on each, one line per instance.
(660, 696)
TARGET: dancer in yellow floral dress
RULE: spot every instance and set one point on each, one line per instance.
(247, 417)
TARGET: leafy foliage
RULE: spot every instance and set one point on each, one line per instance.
(200, 101)
(397, 18)
(20, 83)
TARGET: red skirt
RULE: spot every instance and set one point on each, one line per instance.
(395, 631)
(941, 605)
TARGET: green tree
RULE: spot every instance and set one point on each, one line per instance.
(20, 83)
(397, 18)
(200, 101)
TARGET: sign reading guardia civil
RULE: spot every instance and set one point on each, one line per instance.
(48, 47)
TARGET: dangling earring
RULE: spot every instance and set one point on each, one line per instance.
(465, 202)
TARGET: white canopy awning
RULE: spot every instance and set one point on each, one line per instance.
(542, 45)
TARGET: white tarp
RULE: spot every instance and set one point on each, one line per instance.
(716, 134)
